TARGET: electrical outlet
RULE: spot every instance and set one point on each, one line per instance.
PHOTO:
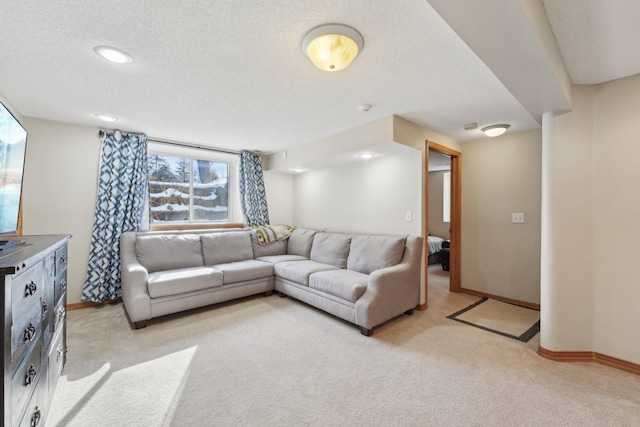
(407, 216)
(517, 218)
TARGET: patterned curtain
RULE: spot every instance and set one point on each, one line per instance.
(252, 192)
(122, 192)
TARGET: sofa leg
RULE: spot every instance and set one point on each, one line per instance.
(409, 312)
(366, 332)
(281, 295)
(140, 324)
(268, 293)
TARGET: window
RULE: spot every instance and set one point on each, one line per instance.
(186, 189)
(446, 197)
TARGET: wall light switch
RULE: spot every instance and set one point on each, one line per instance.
(517, 218)
(407, 216)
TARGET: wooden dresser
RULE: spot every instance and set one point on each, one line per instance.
(33, 276)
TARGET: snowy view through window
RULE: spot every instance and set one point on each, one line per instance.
(183, 189)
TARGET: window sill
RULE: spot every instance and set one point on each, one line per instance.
(195, 226)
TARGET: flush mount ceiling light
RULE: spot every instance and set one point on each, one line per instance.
(106, 117)
(114, 55)
(495, 130)
(298, 169)
(366, 155)
(332, 47)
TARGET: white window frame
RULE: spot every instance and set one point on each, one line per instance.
(232, 160)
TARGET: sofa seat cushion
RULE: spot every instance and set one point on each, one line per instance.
(370, 253)
(222, 248)
(299, 271)
(180, 281)
(169, 251)
(331, 248)
(274, 259)
(241, 271)
(346, 284)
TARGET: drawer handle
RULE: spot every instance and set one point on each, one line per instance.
(30, 289)
(63, 259)
(59, 352)
(29, 333)
(61, 313)
(35, 418)
(30, 376)
(63, 285)
(45, 309)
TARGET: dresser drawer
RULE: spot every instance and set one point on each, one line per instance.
(38, 406)
(56, 360)
(61, 259)
(26, 290)
(60, 315)
(24, 380)
(25, 332)
(60, 287)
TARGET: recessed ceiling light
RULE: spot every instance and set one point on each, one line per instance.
(366, 155)
(106, 117)
(114, 55)
(495, 130)
(298, 169)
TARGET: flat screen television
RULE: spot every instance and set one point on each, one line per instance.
(13, 146)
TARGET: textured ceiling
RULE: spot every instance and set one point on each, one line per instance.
(598, 39)
(231, 74)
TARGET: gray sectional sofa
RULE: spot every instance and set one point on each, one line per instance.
(363, 279)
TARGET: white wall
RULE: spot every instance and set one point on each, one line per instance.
(60, 183)
(590, 226)
(501, 176)
(279, 188)
(368, 196)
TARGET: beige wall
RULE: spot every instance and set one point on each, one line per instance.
(60, 183)
(590, 225)
(279, 187)
(437, 227)
(501, 176)
(368, 196)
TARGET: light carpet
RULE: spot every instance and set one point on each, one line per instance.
(267, 361)
(502, 318)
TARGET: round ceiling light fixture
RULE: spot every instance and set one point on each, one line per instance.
(332, 47)
(114, 55)
(495, 130)
(366, 156)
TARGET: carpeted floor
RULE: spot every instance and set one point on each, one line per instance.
(267, 361)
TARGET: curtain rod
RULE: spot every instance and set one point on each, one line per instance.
(197, 147)
(101, 134)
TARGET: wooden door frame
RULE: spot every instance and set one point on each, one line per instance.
(455, 235)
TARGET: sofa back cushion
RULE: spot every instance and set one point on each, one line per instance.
(300, 241)
(370, 253)
(221, 248)
(168, 252)
(276, 247)
(330, 248)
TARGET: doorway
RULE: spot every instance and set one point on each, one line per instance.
(455, 215)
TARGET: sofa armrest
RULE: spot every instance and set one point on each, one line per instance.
(393, 290)
(135, 293)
